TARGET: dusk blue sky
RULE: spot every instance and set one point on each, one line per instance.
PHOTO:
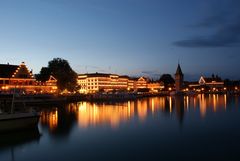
(133, 37)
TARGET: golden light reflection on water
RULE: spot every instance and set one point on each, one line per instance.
(170, 104)
(212, 103)
(94, 114)
(50, 118)
(89, 114)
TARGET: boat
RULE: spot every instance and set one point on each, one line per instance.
(18, 119)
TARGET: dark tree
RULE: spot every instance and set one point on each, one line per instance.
(44, 74)
(167, 79)
(66, 77)
(62, 71)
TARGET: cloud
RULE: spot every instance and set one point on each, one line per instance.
(225, 26)
(228, 36)
(211, 21)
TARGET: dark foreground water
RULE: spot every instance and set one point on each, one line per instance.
(161, 128)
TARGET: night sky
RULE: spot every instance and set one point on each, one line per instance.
(134, 37)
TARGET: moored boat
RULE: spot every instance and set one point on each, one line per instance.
(18, 121)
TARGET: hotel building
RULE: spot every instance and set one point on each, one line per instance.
(95, 82)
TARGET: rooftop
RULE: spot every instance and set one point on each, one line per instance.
(179, 70)
(7, 70)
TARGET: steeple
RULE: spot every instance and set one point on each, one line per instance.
(179, 70)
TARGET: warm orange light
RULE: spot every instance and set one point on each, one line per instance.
(55, 87)
(50, 119)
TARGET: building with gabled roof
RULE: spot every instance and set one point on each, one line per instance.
(20, 79)
(208, 83)
(213, 82)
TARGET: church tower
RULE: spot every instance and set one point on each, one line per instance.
(179, 79)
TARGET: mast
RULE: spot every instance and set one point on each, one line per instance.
(13, 98)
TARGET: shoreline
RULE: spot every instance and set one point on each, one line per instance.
(43, 99)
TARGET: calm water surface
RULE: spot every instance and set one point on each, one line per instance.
(159, 128)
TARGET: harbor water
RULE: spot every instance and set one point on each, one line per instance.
(158, 128)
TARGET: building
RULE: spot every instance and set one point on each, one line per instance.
(94, 82)
(155, 86)
(232, 85)
(179, 77)
(131, 84)
(101, 82)
(18, 78)
(49, 86)
(208, 83)
(211, 82)
(141, 83)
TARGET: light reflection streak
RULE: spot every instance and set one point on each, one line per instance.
(225, 101)
(202, 105)
(170, 104)
(50, 118)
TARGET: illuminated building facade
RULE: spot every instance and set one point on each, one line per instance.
(49, 86)
(131, 84)
(212, 84)
(19, 79)
(155, 86)
(141, 83)
(95, 82)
